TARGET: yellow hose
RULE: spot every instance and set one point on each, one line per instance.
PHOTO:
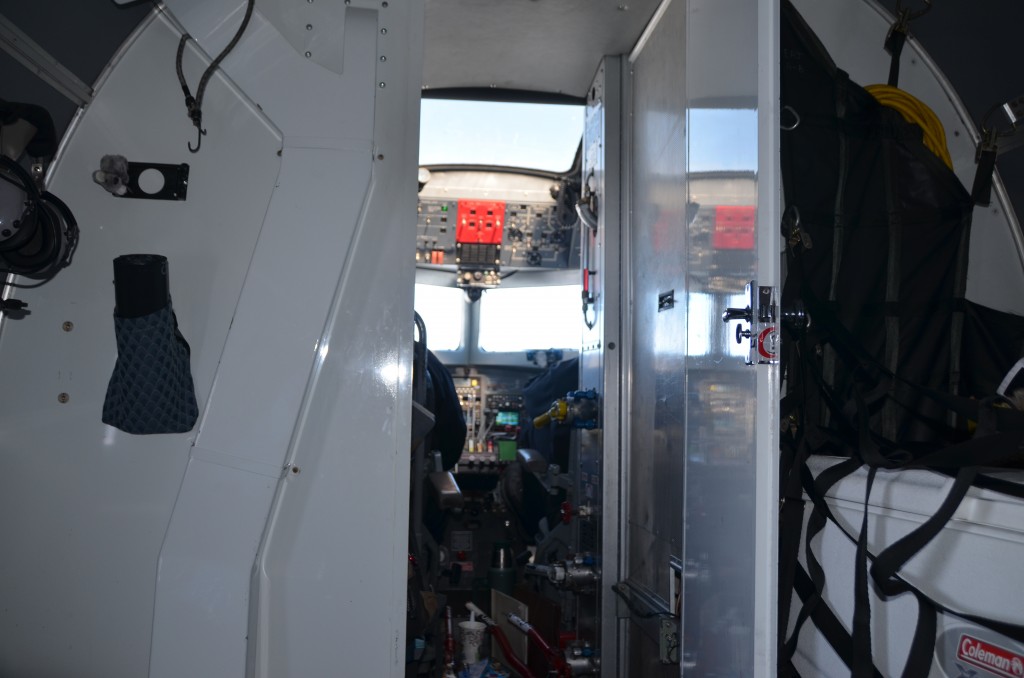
(917, 113)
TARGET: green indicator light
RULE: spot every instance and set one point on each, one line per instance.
(444, 208)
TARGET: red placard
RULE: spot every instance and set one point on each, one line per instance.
(480, 221)
(734, 227)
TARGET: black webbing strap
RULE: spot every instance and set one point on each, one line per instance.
(826, 621)
(965, 457)
(894, 42)
(897, 37)
(791, 518)
(792, 460)
(996, 485)
(851, 350)
(890, 560)
(815, 487)
(886, 565)
(812, 488)
(981, 189)
(861, 601)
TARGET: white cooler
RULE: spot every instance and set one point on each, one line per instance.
(975, 565)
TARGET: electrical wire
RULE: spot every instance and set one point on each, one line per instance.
(55, 230)
(62, 230)
(627, 598)
(917, 113)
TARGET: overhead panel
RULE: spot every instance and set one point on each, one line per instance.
(546, 45)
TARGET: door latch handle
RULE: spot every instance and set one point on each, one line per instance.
(762, 334)
(738, 314)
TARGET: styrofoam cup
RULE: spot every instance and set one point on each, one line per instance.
(471, 635)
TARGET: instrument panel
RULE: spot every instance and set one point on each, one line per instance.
(494, 414)
(532, 235)
(482, 223)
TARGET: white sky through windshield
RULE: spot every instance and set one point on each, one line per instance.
(535, 136)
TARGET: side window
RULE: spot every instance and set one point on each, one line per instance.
(443, 310)
(522, 318)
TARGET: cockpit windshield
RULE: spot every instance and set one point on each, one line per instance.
(525, 135)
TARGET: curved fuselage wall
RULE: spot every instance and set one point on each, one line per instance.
(853, 33)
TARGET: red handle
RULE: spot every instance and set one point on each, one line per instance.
(510, 656)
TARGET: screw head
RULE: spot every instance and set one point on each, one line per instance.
(68, 326)
(63, 398)
(382, 84)
(309, 27)
(383, 31)
(309, 54)
(383, 58)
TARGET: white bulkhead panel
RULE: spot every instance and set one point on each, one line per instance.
(315, 375)
(287, 279)
(85, 505)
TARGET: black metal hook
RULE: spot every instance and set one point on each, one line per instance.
(199, 139)
(906, 14)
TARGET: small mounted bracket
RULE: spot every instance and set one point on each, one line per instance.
(666, 300)
(668, 641)
(174, 187)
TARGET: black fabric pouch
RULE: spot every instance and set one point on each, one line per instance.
(151, 388)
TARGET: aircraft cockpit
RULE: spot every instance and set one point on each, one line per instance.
(511, 338)
(502, 292)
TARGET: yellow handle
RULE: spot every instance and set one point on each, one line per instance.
(558, 412)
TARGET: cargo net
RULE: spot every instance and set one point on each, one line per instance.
(897, 369)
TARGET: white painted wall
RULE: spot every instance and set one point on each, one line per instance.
(85, 506)
(137, 554)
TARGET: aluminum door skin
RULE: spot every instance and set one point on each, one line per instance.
(657, 243)
(702, 463)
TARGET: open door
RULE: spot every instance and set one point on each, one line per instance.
(701, 407)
